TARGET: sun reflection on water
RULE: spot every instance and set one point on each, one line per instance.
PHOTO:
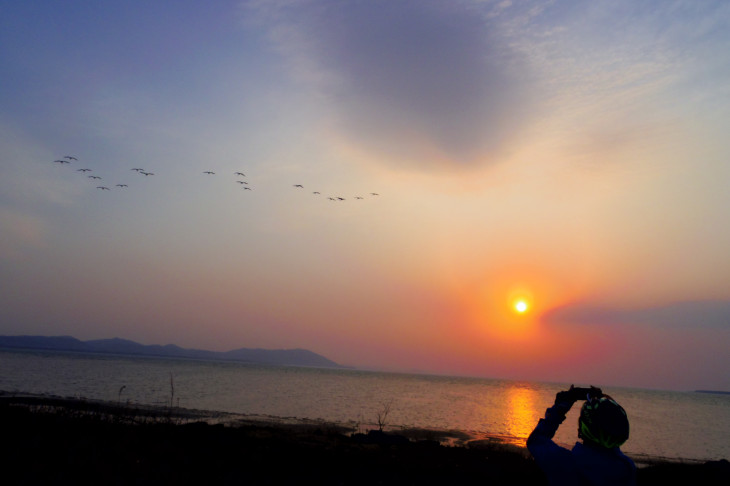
(522, 416)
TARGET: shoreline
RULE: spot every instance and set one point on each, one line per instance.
(55, 437)
(138, 412)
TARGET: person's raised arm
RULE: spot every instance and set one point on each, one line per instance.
(555, 415)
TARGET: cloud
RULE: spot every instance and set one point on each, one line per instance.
(712, 314)
(406, 79)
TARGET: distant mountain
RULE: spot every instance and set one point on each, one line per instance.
(285, 357)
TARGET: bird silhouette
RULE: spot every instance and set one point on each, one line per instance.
(68, 158)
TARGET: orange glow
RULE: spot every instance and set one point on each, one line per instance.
(504, 312)
(496, 312)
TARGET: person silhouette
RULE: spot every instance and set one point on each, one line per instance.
(603, 427)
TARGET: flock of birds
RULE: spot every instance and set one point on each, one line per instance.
(68, 159)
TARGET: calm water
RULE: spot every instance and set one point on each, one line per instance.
(666, 424)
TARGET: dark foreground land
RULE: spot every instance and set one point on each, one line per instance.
(65, 441)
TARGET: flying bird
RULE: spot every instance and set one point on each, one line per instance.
(103, 188)
(242, 182)
(358, 197)
(70, 157)
(209, 172)
(147, 173)
(61, 161)
(83, 170)
(374, 194)
(340, 198)
(138, 169)
(299, 185)
(122, 185)
(247, 188)
(94, 177)
(239, 174)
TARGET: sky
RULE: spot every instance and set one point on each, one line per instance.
(454, 157)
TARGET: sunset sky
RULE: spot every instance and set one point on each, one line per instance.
(573, 154)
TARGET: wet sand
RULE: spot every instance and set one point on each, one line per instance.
(50, 440)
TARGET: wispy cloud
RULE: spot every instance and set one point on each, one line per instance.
(408, 80)
(678, 314)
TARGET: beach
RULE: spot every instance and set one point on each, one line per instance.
(54, 440)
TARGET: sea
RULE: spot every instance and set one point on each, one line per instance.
(688, 426)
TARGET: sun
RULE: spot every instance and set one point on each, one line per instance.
(521, 306)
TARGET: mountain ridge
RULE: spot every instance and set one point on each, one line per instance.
(116, 345)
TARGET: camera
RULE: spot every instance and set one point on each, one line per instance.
(584, 393)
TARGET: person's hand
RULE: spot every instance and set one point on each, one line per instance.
(566, 397)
